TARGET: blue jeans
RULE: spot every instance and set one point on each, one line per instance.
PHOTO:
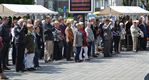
(89, 48)
(36, 57)
(78, 49)
(93, 48)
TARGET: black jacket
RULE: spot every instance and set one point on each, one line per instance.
(5, 33)
(38, 40)
(20, 34)
(48, 35)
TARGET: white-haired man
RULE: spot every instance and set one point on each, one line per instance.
(20, 31)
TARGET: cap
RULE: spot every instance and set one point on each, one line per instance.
(135, 21)
(55, 22)
(80, 23)
(48, 17)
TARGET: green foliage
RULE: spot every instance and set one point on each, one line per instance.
(17, 1)
(127, 2)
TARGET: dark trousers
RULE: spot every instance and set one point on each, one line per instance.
(116, 41)
(65, 49)
(1, 70)
(89, 48)
(107, 48)
(69, 50)
(78, 49)
(93, 48)
(36, 57)
(20, 49)
(5, 52)
(143, 43)
(57, 55)
(42, 51)
(13, 53)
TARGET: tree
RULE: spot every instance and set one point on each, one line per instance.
(146, 4)
(17, 1)
(127, 2)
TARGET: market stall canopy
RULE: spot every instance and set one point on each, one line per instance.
(17, 9)
(123, 10)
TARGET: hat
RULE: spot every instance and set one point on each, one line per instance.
(48, 17)
(55, 22)
(135, 21)
(20, 21)
(60, 18)
(80, 23)
(121, 24)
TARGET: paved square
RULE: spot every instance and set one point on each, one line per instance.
(125, 66)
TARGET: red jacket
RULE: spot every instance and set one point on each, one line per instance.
(84, 37)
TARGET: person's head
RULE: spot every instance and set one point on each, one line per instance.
(92, 20)
(20, 22)
(81, 25)
(142, 19)
(88, 24)
(48, 19)
(135, 23)
(37, 29)
(29, 21)
(37, 22)
(61, 20)
(68, 23)
(5, 20)
(78, 26)
(107, 21)
(56, 24)
(121, 24)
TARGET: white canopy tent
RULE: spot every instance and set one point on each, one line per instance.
(123, 10)
(17, 9)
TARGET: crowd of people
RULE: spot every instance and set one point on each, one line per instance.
(73, 40)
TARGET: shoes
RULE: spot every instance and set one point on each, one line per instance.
(69, 59)
(6, 68)
(31, 69)
(87, 60)
(3, 76)
(95, 56)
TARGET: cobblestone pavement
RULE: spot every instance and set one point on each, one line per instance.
(125, 66)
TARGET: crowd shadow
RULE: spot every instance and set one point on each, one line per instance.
(50, 69)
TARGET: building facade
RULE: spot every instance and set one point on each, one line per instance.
(58, 5)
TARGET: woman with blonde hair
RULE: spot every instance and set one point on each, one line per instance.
(69, 41)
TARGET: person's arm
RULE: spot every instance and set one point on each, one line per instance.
(67, 34)
(75, 37)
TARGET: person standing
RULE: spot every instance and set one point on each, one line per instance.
(2, 75)
(6, 35)
(38, 43)
(122, 36)
(20, 32)
(143, 40)
(30, 47)
(107, 38)
(78, 42)
(90, 37)
(84, 47)
(49, 39)
(13, 42)
(62, 28)
(57, 42)
(135, 33)
(69, 41)
(116, 36)
(95, 30)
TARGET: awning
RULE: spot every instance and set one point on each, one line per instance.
(17, 9)
(123, 10)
